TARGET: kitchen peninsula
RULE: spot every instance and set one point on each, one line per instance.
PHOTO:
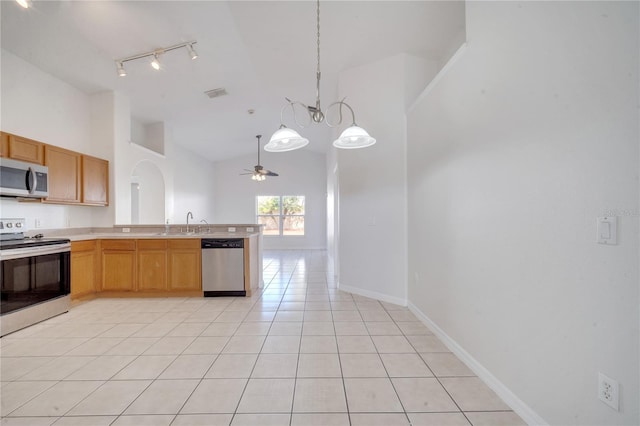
(152, 260)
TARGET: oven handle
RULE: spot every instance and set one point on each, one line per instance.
(20, 253)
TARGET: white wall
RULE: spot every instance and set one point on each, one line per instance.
(531, 135)
(150, 193)
(39, 106)
(194, 187)
(372, 181)
(302, 172)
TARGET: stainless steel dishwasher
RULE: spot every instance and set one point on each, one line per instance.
(223, 267)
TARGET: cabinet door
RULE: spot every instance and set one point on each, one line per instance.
(4, 144)
(83, 268)
(152, 265)
(118, 265)
(95, 181)
(184, 264)
(26, 149)
(64, 174)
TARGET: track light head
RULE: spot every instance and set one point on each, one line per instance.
(192, 52)
(121, 71)
(23, 3)
(155, 63)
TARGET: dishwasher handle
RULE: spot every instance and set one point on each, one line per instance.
(215, 243)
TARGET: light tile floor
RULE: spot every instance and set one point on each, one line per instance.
(301, 352)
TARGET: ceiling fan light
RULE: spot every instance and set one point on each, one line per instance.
(285, 139)
(354, 137)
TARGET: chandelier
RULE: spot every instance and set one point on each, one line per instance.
(286, 139)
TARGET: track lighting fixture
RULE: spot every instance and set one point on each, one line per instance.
(155, 54)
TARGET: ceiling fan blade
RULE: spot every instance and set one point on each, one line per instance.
(258, 170)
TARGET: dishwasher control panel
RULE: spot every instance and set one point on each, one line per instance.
(213, 243)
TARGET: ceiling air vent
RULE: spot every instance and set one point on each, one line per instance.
(214, 93)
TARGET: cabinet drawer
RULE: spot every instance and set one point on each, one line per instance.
(88, 245)
(187, 243)
(118, 244)
(152, 244)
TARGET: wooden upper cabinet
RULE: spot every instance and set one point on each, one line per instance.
(4, 144)
(64, 174)
(95, 181)
(26, 149)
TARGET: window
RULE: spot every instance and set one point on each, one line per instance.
(281, 214)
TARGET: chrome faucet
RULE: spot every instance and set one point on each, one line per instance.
(189, 214)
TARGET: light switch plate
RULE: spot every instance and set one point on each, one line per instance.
(607, 229)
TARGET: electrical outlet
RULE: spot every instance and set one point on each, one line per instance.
(37, 223)
(249, 228)
(608, 391)
(232, 229)
(126, 229)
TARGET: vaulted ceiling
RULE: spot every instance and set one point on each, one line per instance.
(259, 51)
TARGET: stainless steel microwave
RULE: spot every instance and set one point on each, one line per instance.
(20, 179)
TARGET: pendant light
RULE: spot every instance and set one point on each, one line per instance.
(286, 139)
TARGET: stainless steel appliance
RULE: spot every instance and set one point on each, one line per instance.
(20, 179)
(223, 267)
(34, 277)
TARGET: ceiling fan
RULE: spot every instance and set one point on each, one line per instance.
(259, 173)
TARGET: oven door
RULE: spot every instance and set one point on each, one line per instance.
(29, 276)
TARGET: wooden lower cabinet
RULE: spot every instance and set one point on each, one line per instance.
(148, 265)
(84, 268)
(184, 257)
(118, 265)
(152, 265)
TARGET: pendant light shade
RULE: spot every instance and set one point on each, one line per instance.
(354, 137)
(285, 139)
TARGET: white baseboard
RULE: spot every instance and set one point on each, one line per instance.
(295, 248)
(373, 294)
(517, 405)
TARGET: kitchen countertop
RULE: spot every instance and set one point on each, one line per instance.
(156, 235)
